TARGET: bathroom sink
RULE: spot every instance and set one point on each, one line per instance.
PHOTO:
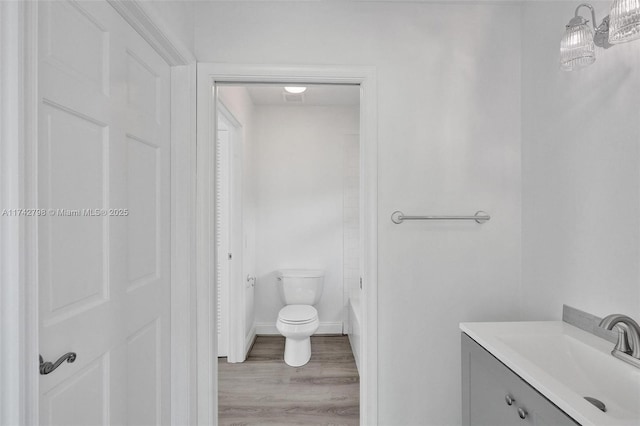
(566, 364)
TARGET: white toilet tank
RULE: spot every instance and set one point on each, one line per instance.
(300, 286)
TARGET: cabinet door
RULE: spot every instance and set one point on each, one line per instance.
(485, 386)
(486, 383)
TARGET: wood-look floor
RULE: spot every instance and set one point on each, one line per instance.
(263, 390)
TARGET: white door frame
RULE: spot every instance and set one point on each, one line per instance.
(18, 289)
(208, 74)
(19, 402)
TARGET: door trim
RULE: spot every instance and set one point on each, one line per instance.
(183, 249)
(208, 74)
(151, 27)
(18, 277)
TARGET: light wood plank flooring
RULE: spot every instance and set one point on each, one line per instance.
(263, 390)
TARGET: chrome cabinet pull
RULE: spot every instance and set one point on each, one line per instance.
(509, 399)
(522, 413)
(48, 367)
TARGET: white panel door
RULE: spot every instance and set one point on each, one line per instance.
(237, 283)
(224, 256)
(229, 253)
(104, 243)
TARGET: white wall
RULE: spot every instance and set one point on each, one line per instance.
(449, 142)
(299, 176)
(238, 102)
(580, 172)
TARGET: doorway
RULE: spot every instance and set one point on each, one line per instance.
(301, 188)
(211, 75)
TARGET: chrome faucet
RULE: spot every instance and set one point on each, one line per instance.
(628, 347)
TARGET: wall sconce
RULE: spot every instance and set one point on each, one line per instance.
(625, 21)
(577, 47)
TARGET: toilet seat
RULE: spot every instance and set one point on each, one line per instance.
(298, 314)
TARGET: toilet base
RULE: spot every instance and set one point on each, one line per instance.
(297, 352)
(297, 346)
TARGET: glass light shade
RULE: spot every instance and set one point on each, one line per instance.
(624, 21)
(576, 47)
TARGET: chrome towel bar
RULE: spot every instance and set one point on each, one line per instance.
(398, 217)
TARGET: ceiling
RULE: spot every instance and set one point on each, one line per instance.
(318, 95)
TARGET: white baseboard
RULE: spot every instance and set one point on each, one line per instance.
(248, 340)
(267, 328)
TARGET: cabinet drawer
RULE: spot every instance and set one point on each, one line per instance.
(487, 383)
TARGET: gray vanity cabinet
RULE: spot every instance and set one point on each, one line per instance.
(487, 388)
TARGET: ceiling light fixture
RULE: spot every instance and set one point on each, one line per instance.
(295, 89)
(577, 47)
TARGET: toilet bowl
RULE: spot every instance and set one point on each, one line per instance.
(297, 323)
(300, 289)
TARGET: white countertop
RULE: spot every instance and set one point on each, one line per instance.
(565, 364)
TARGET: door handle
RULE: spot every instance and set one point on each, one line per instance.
(251, 280)
(48, 367)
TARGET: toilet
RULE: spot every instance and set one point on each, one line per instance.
(300, 289)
